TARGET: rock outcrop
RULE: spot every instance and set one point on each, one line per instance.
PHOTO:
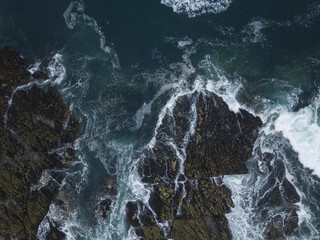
(277, 198)
(198, 142)
(37, 130)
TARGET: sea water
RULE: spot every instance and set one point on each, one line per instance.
(121, 65)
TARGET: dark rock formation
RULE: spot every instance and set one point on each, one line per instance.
(105, 206)
(277, 197)
(55, 233)
(223, 141)
(37, 130)
(280, 228)
(197, 143)
(283, 197)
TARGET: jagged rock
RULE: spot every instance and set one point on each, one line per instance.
(207, 228)
(13, 73)
(160, 165)
(181, 117)
(223, 141)
(273, 232)
(190, 203)
(138, 212)
(272, 198)
(55, 234)
(277, 195)
(291, 223)
(278, 228)
(36, 122)
(105, 207)
(150, 232)
(203, 198)
(190, 228)
(206, 199)
(290, 194)
(132, 213)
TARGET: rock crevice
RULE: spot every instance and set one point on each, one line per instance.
(31, 127)
(185, 169)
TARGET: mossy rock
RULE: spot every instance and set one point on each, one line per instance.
(223, 140)
(190, 202)
(34, 126)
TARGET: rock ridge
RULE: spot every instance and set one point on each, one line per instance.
(37, 131)
(198, 143)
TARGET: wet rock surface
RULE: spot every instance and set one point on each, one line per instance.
(282, 227)
(198, 142)
(275, 202)
(37, 130)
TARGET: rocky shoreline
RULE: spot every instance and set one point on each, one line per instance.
(188, 198)
(37, 131)
(196, 145)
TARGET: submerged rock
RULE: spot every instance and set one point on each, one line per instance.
(37, 130)
(199, 141)
(105, 206)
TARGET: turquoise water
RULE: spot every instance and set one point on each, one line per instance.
(120, 64)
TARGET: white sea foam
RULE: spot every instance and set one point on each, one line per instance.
(218, 82)
(70, 17)
(303, 131)
(142, 111)
(185, 42)
(145, 109)
(253, 30)
(180, 88)
(57, 71)
(34, 67)
(240, 218)
(74, 14)
(197, 7)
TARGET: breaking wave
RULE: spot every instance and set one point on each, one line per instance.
(197, 7)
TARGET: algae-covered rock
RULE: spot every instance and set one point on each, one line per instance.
(160, 165)
(223, 141)
(208, 228)
(151, 232)
(186, 202)
(34, 123)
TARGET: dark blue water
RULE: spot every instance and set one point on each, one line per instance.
(120, 64)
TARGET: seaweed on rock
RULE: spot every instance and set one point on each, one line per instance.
(185, 169)
(35, 122)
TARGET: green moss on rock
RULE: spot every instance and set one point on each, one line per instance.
(31, 126)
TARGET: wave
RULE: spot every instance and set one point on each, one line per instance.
(303, 131)
(197, 7)
(182, 78)
(57, 71)
(291, 138)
